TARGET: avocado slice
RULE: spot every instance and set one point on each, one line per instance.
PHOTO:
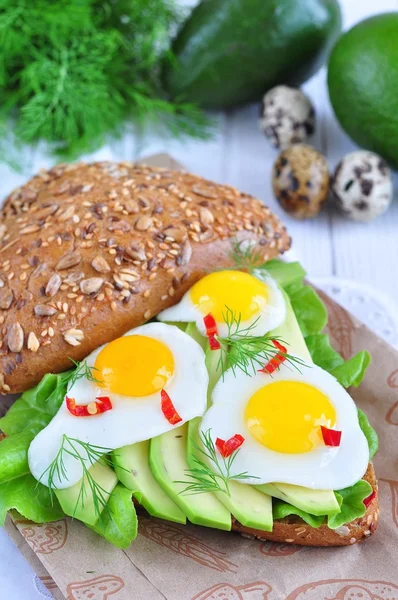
(132, 469)
(168, 463)
(290, 333)
(84, 510)
(193, 332)
(249, 506)
(315, 502)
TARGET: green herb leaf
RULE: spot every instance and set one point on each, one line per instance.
(36, 407)
(309, 309)
(30, 499)
(248, 353)
(86, 454)
(249, 258)
(14, 456)
(352, 506)
(369, 432)
(281, 509)
(74, 74)
(118, 525)
(204, 478)
(350, 372)
(353, 370)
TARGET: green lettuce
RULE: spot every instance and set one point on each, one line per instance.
(352, 506)
(309, 309)
(369, 432)
(286, 274)
(118, 523)
(18, 488)
(36, 407)
(347, 373)
(281, 509)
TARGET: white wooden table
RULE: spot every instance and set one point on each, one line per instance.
(239, 155)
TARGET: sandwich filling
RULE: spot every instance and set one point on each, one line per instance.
(230, 405)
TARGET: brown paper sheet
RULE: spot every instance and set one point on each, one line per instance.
(175, 562)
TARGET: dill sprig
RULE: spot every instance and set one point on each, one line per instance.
(81, 371)
(68, 379)
(248, 353)
(246, 256)
(202, 478)
(87, 454)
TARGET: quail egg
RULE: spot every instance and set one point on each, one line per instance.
(362, 185)
(300, 181)
(287, 116)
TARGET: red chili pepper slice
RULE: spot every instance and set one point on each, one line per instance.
(101, 405)
(226, 448)
(331, 437)
(168, 409)
(211, 331)
(277, 360)
(370, 498)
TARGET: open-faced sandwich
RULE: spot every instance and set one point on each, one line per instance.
(171, 363)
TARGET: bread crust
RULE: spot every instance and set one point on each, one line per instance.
(293, 530)
(88, 252)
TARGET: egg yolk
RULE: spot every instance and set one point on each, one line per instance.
(241, 292)
(285, 416)
(134, 365)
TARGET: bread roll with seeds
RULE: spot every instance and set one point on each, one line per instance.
(89, 251)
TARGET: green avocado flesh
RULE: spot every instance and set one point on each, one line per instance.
(168, 462)
(131, 464)
(290, 333)
(85, 511)
(315, 502)
(250, 507)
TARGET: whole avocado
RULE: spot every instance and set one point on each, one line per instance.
(230, 52)
(363, 84)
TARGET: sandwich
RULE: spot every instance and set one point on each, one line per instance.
(171, 363)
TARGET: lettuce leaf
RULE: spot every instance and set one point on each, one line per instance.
(281, 509)
(118, 524)
(286, 274)
(36, 407)
(14, 456)
(352, 506)
(347, 373)
(369, 432)
(353, 370)
(309, 309)
(31, 499)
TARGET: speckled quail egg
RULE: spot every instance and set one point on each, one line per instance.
(300, 181)
(362, 185)
(287, 116)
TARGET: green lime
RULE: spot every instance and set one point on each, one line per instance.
(363, 84)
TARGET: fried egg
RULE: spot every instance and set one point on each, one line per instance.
(132, 371)
(258, 303)
(279, 417)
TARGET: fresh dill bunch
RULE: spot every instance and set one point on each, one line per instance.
(211, 472)
(74, 71)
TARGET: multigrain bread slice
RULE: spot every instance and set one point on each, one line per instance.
(293, 530)
(89, 251)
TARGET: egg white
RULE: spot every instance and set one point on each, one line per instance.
(322, 468)
(131, 419)
(269, 317)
